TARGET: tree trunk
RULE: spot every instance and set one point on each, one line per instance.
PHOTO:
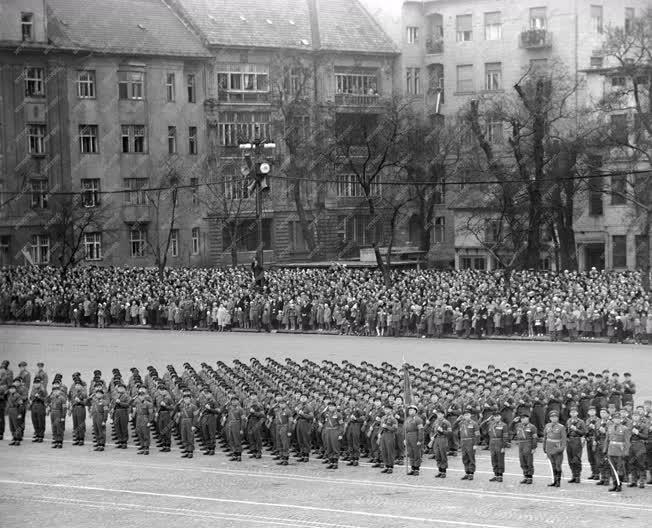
(234, 244)
(303, 220)
(379, 258)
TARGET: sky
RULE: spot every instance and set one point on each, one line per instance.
(388, 13)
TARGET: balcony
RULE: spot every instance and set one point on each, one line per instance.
(345, 99)
(434, 46)
(536, 39)
(243, 97)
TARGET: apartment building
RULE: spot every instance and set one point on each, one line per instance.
(100, 112)
(455, 51)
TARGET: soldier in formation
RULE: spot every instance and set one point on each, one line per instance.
(348, 412)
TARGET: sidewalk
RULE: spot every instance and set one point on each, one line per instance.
(307, 332)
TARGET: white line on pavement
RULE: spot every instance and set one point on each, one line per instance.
(429, 520)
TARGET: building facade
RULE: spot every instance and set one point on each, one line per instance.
(460, 51)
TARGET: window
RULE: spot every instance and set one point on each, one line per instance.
(86, 84)
(494, 132)
(440, 191)
(88, 139)
(246, 235)
(539, 65)
(135, 194)
(359, 82)
(493, 28)
(413, 80)
(242, 83)
(544, 264)
(131, 85)
(630, 15)
(464, 28)
(348, 186)
(39, 189)
(465, 78)
(235, 187)
(27, 26)
(596, 62)
(242, 127)
(440, 229)
(172, 140)
(362, 229)
(174, 243)
(619, 128)
(642, 243)
(34, 82)
(619, 251)
(133, 139)
(137, 241)
(192, 92)
(619, 189)
(192, 140)
(493, 76)
(93, 246)
(618, 81)
(295, 236)
(596, 19)
(5, 244)
(537, 18)
(193, 191)
(477, 263)
(41, 249)
(170, 90)
(90, 192)
(195, 241)
(36, 139)
(492, 231)
(412, 35)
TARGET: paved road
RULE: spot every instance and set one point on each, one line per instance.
(76, 486)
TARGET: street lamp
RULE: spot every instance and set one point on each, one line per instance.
(258, 170)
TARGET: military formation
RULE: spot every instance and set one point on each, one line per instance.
(348, 412)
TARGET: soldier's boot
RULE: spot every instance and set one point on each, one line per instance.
(470, 476)
(443, 473)
(633, 483)
(465, 477)
(554, 481)
(572, 481)
(558, 480)
(385, 470)
(529, 480)
(641, 482)
(334, 463)
(100, 448)
(614, 487)
(281, 461)
(494, 478)
(211, 452)
(355, 462)
(190, 454)
(601, 482)
(238, 458)
(146, 451)
(53, 446)
(499, 478)
(285, 461)
(351, 462)
(524, 481)
(416, 471)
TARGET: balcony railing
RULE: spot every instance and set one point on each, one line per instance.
(344, 99)
(434, 45)
(536, 39)
(242, 97)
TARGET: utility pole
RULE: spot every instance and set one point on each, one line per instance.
(258, 170)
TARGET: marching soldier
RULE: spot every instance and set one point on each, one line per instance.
(143, 412)
(57, 406)
(334, 429)
(37, 399)
(637, 449)
(554, 445)
(575, 431)
(592, 423)
(498, 438)
(600, 447)
(387, 438)
(99, 411)
(25, 376)
(469, 441)
(414, 439)
(187, 419)
(527, 438)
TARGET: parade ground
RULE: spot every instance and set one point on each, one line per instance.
(76, 486)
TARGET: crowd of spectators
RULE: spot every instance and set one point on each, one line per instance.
(428, 303)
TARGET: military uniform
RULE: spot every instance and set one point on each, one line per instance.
(554, 445)
(99, 411)
(208, 413)
(414, 436)
(334, 429)
(77, 401)
(353, 429)
(37, 399)
(282, 420)
(186, 415)
(164, 408)
(637, 450)
(120, 415)
(441, 428)
(305, 415)
(16, 413)
(617, 448)
(143, 411)
(575, 431)
(469, 439)
(527, 439)
(235, 425)
(387, 441)
(498, 439)
(57, 404)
